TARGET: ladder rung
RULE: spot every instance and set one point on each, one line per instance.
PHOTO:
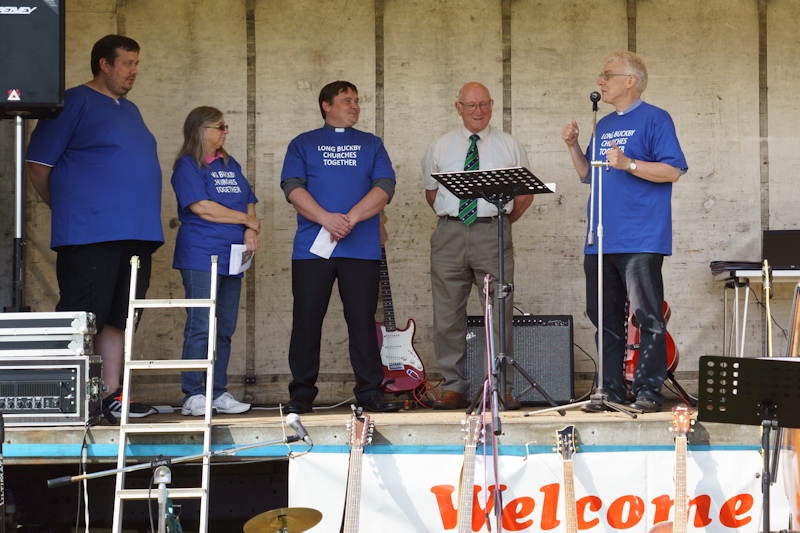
(190, 302)
(175, 494)
(171, 427)
(170, 364)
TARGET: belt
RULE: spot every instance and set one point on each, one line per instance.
(479, 220)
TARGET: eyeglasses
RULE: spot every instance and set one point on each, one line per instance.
(472, 107)
(608, 75)
(220, 127)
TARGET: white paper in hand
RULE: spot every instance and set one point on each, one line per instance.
(323, 246)
(240, 260)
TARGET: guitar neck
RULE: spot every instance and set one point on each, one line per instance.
(681, 500)
(467, 491)
(386, 295)
(570, 512)
(352, 507)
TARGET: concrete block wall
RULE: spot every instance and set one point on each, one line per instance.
(725, 69)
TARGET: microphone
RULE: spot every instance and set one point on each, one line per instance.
(293, 421)
(594, 97)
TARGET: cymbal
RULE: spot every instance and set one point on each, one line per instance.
(298, 519)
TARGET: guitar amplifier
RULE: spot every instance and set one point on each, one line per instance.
(543, 348)
(50, 391)
(47, 334)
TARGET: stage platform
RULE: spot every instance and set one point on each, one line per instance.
(414, 456)
(418, 428)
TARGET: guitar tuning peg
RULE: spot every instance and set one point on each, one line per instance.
(369, 440)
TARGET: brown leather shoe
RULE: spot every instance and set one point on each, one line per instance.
(451, 400)
(512, 404)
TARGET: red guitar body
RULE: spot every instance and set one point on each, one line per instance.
(633, 345)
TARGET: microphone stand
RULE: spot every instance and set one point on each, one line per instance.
(598, 397)
(163, 476)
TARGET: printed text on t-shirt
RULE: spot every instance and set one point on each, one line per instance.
(344, 155)
(620, 137)
(225, 182)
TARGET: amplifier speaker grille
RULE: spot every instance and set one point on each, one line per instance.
(543, 347)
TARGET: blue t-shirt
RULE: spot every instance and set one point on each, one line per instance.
(105, 183)
(637, 214)
(199, 239)
(339, 167)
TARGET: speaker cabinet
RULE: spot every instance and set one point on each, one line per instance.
(543, 348)
(32, 58)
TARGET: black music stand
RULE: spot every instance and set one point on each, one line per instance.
(498, 187)
(753, 392)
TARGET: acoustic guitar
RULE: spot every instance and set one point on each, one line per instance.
(360, 430)
(472, 436)
(567, 445)
(681, 425)
(632, 356)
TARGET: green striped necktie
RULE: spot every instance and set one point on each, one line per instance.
(468, 209)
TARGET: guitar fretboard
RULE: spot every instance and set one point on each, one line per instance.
(386, 295)
(681, 503)
(353, 501)
(467, 490)
(570, 513)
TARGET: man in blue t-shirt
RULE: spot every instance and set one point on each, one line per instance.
(338, 179)
(96, 166)
(643, 159)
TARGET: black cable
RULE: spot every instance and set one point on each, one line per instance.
(594, 379)
(150, 502)
(81, 471)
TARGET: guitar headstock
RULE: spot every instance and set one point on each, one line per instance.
(384, 234)
(681, 420)
(359, 430)
(567, 442)
(473, 430)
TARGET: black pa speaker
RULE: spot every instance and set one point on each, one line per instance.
(543, 348)
(31, 58)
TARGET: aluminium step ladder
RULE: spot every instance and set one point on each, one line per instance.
(127, 428)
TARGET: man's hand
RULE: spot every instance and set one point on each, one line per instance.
(570, 133)
(337, 224)
(617, 158)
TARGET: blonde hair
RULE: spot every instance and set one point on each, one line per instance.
(193, 140)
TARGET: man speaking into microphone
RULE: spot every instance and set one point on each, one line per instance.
(643, 159)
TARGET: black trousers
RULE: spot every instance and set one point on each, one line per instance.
(635, 277)
(312, 284)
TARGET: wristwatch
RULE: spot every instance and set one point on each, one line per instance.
(632, 166)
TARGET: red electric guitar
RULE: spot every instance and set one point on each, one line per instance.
(402, 368)
(633, 345)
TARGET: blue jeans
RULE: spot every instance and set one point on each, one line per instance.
(634, 277)
(195, 335)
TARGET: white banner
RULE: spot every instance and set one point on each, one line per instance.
(618, 490)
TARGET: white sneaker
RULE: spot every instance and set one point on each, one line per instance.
(227, 404)
(194, 405)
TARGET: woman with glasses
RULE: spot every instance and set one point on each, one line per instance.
(216, 208)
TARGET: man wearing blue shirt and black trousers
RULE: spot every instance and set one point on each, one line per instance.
(644, 158)
(96, 166)
(338, 179)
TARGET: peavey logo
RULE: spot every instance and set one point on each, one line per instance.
(12, 10)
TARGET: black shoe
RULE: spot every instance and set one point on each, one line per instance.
(595, 408)
(113, 404)
(646, 405)
(299, 405)
(376, 404)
